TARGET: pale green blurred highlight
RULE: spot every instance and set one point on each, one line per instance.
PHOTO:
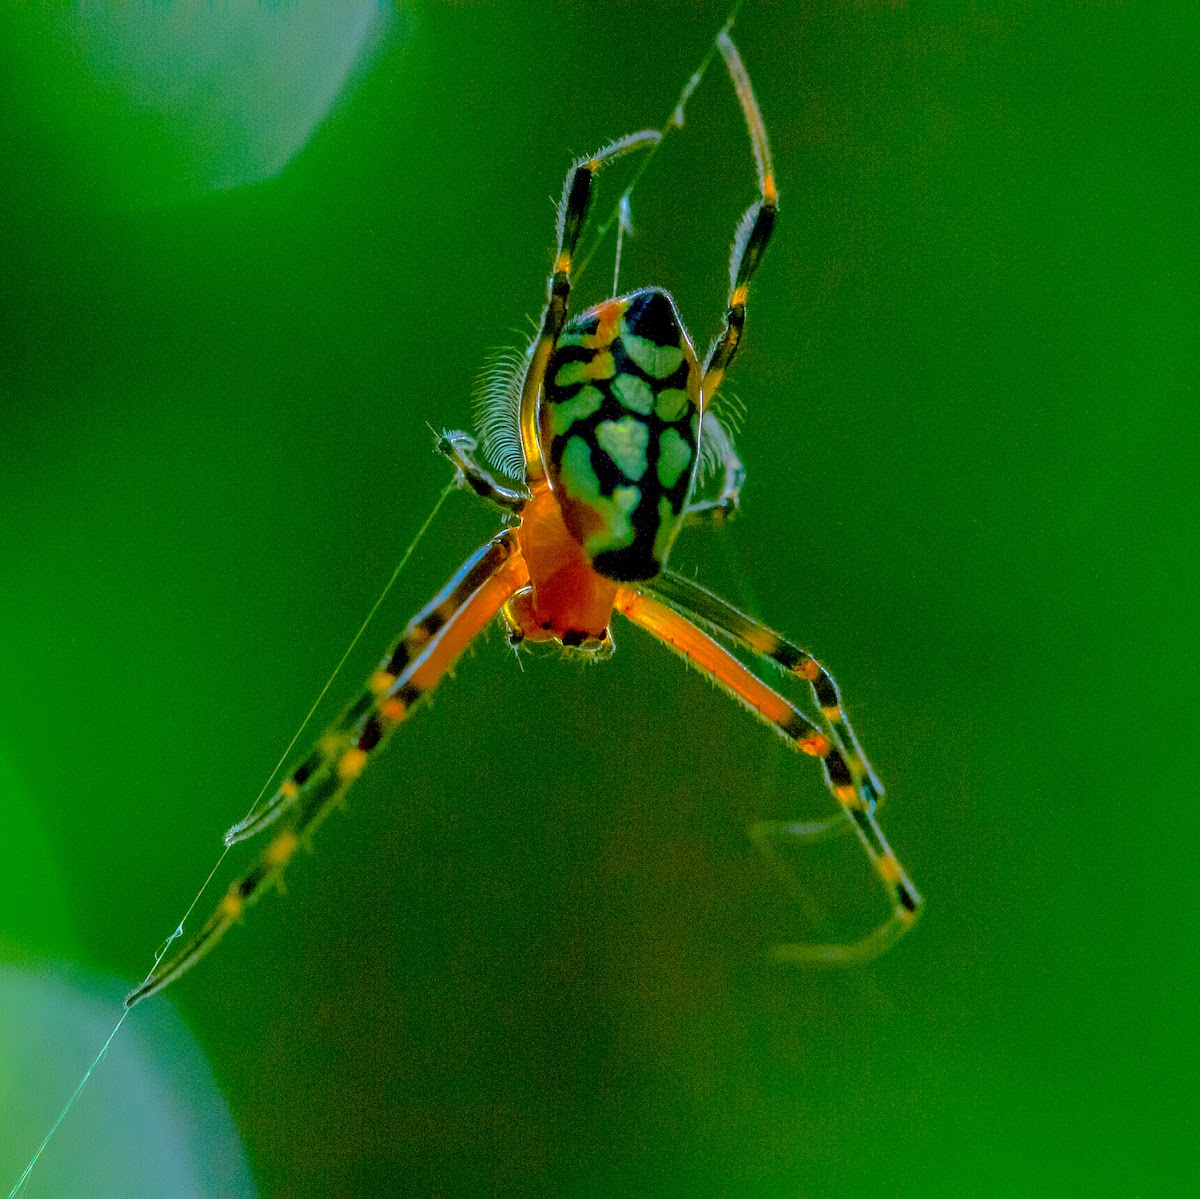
(151, 1123)
(162, 103)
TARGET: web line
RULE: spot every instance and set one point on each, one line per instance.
(674, 121)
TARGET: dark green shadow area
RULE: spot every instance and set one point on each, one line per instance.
(530, 960)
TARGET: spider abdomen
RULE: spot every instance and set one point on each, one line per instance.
(619, 425)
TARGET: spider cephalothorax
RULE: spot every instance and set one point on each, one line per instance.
(600, 426)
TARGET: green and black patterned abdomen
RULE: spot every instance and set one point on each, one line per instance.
(619, 421)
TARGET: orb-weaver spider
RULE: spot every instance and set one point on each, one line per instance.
(604, 423)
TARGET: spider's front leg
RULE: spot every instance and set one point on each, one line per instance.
(572, 212)
(718, 511)
(749, 244)
(754, 229)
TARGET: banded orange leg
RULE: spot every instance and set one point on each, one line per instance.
(698, 603)
(689, 641)
(428, 648)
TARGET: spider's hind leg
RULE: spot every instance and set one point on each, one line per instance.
(431, 643)
(572, 212)
(847, 773)
(698, 603)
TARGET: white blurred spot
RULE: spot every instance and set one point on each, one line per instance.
(214, 98)
(150, 1122)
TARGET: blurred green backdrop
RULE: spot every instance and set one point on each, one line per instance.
(530, 960)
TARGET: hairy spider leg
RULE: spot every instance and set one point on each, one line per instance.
(754, 229)
(715, 437)
(428, 648)
(705, 607)
(572, 212)
(749, 244)
(689, 641)
(460, 448)
(321, 763)
(697, 602)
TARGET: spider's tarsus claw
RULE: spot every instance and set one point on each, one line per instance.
(450, 440)
(245, 829)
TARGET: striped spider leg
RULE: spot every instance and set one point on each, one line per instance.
(433, 639)
(428, 648)
(848, 774)
(749, 243)
(598, 428)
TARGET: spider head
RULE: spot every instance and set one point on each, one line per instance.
(527, 631)
(587, 646)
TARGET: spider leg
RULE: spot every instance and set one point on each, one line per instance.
(754, 229)
(460, 448)
(686, 639)
(749, 243)
(428, 648)
(698, 603)
(572, 212)
(734, 474)
(321, 762)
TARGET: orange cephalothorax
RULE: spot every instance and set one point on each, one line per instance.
(566, 600)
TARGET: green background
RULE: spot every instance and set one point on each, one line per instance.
(530, 960)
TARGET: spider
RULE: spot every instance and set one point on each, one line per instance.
(604, 422)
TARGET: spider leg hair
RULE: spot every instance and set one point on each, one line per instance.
(716, 449)
(572, 212)
(497, 405)
(689, 641)
(428, 648)
(711, 611)
(699, 604)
